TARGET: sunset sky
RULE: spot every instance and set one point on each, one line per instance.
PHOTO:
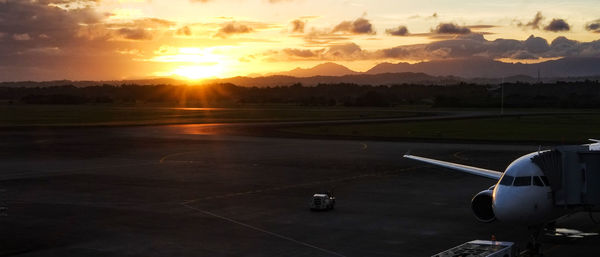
(130, 39)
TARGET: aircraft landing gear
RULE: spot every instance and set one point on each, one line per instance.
(534, 248)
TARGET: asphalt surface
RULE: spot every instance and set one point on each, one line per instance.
(190, 191)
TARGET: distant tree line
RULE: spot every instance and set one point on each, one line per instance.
(585, 94)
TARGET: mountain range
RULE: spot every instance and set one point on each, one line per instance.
(445, 72)
(466, 68)
(324, 69)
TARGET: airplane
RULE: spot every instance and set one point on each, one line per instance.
(522, 194)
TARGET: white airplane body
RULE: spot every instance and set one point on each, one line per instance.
(522, 194)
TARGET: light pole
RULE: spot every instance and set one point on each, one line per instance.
(502, 97)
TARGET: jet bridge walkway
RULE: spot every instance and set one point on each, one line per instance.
(574, 175)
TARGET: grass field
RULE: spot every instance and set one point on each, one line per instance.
(566, 127)
(560, 128)
(87, 115)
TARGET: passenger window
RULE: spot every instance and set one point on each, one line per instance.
(522, 181)
(507, 180)
(545, 179)
(537, 181)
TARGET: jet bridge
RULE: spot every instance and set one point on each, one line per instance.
(574, 175)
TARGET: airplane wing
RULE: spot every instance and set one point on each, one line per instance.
(455, 166)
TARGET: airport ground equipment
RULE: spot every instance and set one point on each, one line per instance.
(322, 201)
(481, 248)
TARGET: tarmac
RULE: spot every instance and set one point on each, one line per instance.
(181, 190)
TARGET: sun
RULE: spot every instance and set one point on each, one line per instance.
(193, 63)
(197, 72)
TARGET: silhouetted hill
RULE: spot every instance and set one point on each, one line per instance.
(474, 70)
(324, 69)
(486, 68)
(362, 79)
(87, 83)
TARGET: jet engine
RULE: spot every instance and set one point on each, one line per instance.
(482, 206)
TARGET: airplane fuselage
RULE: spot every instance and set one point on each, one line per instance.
(523, 195)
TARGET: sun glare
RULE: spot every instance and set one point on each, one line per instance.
(193, 63)
(198, 72)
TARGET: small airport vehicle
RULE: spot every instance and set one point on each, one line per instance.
(322, 201)
(481, 248)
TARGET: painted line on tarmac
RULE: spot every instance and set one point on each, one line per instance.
(459, 155)
(279, 188)
(164, 158)
(187, 205)
(262, 230)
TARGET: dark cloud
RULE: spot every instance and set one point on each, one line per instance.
(536, 44)
(399, 31)
(344, 51)
(270, 1)
(534, 23)
(47, 2)
(557, 25)
(233, 28)
(74, 42)
(144, 23)
(341, 32)
(563, 46)
(28, 20)
(139, 29)
(523, 55)
(450, 28)
(154, 22)
(358, 26)
(184, 31)
(474, 45)
(463, 46)
(320, 38)
(481, 26)
(298, 26)
(303, 53)
(21, 37)
(135, 34)
(339, 52)
(593, 26)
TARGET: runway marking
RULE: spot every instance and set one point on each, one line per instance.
(262, 230)
(187, 205)
(176, 154)
(279, 188)
(458, 155)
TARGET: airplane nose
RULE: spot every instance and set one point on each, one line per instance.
(504, 206)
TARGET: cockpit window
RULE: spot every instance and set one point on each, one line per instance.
(537, 181)
(522, 181)
(545, 179)
(507, 180)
